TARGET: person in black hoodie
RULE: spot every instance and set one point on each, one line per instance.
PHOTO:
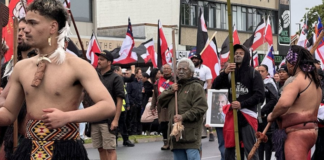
(249, 92)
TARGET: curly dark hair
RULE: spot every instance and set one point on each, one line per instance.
(305, 62)
(53, 9)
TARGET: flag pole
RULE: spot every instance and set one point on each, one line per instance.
(15, 132)
(23, 5)
(230, 36)
(174, 69)
(318, 40)
(208, 42)
(76, 30)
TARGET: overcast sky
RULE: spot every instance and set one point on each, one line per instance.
(298, 11)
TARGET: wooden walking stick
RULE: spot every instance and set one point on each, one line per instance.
(230, 37)
(177, 127)
(262, 137)
(15, 133)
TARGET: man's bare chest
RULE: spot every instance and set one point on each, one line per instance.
(57, 80)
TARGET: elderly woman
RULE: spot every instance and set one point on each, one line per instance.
(192, 105)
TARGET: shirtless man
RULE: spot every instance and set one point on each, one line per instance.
(296, 110)
(52, 101)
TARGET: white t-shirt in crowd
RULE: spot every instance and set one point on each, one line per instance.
(203, 73)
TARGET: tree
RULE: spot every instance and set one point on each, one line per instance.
(312, 17)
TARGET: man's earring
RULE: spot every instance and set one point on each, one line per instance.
(49, 41)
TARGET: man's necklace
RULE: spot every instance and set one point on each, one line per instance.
(40, 72)
(43, 58)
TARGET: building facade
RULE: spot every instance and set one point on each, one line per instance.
(108, 19)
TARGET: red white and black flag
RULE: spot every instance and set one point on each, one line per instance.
(255, 60)
(150, 52)
(209, 55)
(225, 50)
(126, 55)
(257, 38)
(268, 33)
(93, 48)
(202, 35)
(169, 54)
(162, 47)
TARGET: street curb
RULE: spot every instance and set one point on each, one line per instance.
(142, 140)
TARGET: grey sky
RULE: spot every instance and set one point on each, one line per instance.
(298, 10)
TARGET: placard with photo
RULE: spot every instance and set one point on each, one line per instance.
(216, 99)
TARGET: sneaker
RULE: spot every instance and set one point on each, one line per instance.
(211, 137)
(128, 143)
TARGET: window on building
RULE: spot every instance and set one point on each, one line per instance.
(82, 10)
(250, 19)
(223, 20)
(218, 16)
(243, 19)
(211, 17)
(188, 15)
(234, 16)
(215, 14)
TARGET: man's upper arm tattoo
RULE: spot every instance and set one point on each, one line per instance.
(289, 80)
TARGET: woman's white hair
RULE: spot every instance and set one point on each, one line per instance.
(190, 63)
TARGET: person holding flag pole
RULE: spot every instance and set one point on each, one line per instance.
(245, 88)
(237, 147)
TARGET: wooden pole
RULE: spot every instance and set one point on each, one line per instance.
(257, 144)
(7, 3)
(174, 69)
(23, 5)
(76, 31)
(230, 36)
(208, 42)
(15, 132)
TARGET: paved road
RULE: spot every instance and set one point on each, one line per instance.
(152, 151)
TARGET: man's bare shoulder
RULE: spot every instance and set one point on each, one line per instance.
(79, 65)
(289, 80)
(23, 64)
(78, 62)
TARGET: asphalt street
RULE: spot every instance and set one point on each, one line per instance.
(152, 151)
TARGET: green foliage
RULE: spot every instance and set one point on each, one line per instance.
(312, 17)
